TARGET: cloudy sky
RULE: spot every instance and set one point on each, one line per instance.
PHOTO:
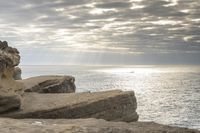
(103, 31)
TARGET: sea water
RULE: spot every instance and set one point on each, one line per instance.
(165, 94)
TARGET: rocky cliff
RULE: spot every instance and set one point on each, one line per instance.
(10, 89)
(9, 59)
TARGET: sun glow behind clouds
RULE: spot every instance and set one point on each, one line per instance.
(149, 28)
(98, 11)
(173, 3)
(166, 22)
(135, 6)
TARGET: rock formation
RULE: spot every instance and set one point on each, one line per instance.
(9, 58)
(17, 73)
(109, 105)
(50, 84)
(11, 85)
(84, 126)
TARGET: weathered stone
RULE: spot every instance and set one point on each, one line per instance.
(3, 45)
(9, 58)
(84, 126)
(9, 55)
(110, 105)
(9, 103)
(17, 74)
(50, 84)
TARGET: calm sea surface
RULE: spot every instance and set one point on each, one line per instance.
(167, 95)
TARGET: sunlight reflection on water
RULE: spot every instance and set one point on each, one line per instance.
(167, 95)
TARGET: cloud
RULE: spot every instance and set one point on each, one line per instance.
(114, 5)
(92, 26)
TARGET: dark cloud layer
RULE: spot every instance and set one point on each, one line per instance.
(131, 29)
(109, 5)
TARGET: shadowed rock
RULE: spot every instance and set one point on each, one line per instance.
(9, 103)
(50, 84)
(109, 105)
(84, 126)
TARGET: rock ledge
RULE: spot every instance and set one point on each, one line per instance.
(84, 126)
(109, 105)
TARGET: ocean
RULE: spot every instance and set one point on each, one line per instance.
(165, 94)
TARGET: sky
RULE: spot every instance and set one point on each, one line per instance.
(63, 32)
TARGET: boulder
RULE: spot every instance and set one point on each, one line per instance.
(84, 126)
(109, 105)
(17, 73)
(50, 84)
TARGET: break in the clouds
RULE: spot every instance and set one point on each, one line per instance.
(109, 32)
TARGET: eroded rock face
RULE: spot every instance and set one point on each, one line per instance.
(109, 105)
(84, 126)
(9, 58)
(17, 73)
(50, 84)
(9, 103)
